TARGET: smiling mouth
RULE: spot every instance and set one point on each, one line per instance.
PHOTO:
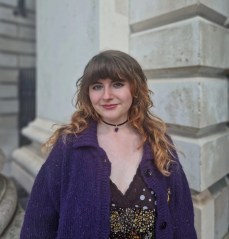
(110, 107)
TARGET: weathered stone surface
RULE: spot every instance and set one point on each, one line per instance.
(226, 236)
(220, 193)
(8, 106)
(22, 176)
(8, 76)
(7, 60)
(219, 6)
(9, 2)
(8, 122)
(114, 25)
(26, 61)
(212, 211)
(191, 102)
(28, 160)
(14, 228)
(206, 159)
(185, 46)
(27, 33)
(204, 215)
(29, 4)
(149, 9)
(8, 203)
(55, 77)
(2, 157)
(26, 165)
(11, 214)
(215, 53)
(7, 29)
(16, 46)
(9, 134)
(6, 14)
(27, 157)
(8, 91)
(154, 13)
(39, 130)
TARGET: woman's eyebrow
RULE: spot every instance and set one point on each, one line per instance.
(96, 82)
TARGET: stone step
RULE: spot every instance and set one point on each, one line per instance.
(13, 229)
(227, 236)
(8, 203)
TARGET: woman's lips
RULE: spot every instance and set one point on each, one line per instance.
(110, 107)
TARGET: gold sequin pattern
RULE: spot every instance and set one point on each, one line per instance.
(132, 223)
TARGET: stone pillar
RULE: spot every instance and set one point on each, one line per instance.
(69, 33)
(183, 47)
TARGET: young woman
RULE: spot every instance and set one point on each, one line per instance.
(113, 172)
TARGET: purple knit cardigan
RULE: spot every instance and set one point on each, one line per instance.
(71, 195)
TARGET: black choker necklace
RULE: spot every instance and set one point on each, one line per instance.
(116, 125)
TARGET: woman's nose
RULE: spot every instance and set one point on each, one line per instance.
(107, 94)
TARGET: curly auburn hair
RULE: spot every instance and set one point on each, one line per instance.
(118, 65)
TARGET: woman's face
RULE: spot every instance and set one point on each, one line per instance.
(111, 99)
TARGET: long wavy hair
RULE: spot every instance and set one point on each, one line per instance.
(119, 65)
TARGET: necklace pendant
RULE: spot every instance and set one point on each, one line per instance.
(115, 125)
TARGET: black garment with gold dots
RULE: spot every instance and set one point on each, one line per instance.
(133, 214)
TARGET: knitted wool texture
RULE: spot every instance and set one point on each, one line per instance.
(71, 195)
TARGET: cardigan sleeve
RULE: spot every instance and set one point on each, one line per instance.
(42, 213)
(182, 206)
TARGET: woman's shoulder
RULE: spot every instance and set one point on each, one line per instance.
(66, 142)
(63, 143)
(87, 135)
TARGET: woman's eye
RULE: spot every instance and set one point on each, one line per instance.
(97, 87)
(118, 84)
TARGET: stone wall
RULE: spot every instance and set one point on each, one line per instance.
(183, 47)
(17, 50)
